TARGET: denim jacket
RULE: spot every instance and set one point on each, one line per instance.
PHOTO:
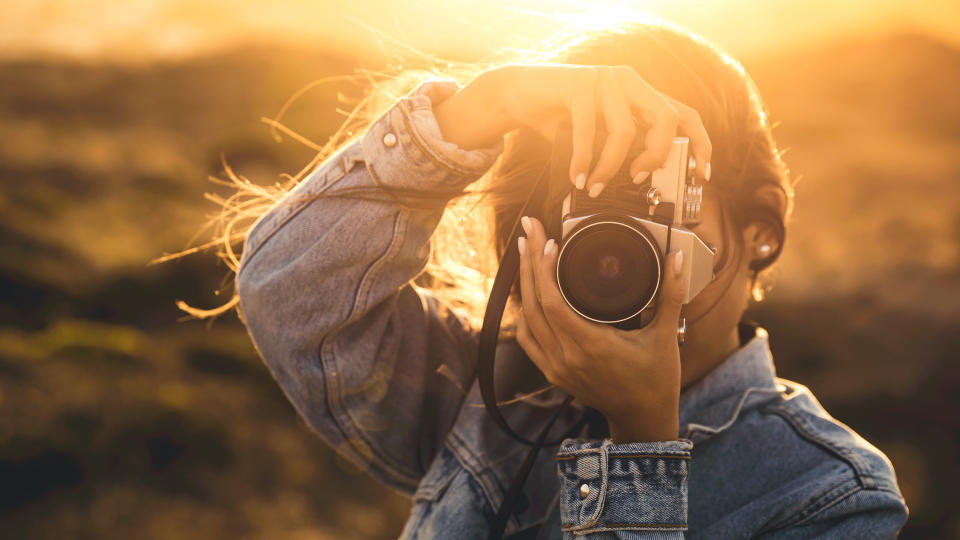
(383, 371)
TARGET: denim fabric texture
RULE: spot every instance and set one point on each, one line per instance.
(383, 371)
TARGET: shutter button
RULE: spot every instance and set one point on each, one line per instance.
(584, 491)
(389, 140)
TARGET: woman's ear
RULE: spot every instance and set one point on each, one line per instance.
(761, 238)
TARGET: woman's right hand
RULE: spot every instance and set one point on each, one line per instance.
(539, 96)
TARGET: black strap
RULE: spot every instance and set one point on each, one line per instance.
(489, 334)
(520, 478)
(535, 205)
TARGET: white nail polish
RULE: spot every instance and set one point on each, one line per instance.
(581, 180)
(706, 174)
(595, 190)
(641, 176)
(678, 263)
(525, 222)
(548, 247)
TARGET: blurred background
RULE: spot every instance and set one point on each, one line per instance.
(120, 420)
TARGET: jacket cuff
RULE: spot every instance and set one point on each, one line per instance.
(630, 486)
(404, 147)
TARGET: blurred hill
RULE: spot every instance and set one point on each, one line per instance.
(119, 421)
(865, 309)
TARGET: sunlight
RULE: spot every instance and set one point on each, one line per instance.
(145, 29)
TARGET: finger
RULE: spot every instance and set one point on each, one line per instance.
(544, 274)
(529, 343)
(672, 295)
(620, 132)
(535, 239)
(569, 327)
(658, 140)
(583, 116)
(537, 323)
(657, 111)
(692, 126)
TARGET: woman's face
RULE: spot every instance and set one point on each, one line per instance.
(713, 314)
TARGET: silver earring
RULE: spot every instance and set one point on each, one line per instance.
(764, 249)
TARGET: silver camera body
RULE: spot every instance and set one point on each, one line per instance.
(610, 265)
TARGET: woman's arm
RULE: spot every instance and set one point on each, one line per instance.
(324, 289)
(324, 284)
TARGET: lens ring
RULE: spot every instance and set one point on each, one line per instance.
(607, 266)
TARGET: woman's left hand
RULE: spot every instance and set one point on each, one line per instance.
(631, 376)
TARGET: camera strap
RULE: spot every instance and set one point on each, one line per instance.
(489, 334)
(499, 294)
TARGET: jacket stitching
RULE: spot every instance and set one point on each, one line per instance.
(658, 525)
(335, 395)
(437, 160)
(349, 431)
(626, 456)
(491, 487)
(803, 427)
(433, 489)
(328, 180)
(273, 224)
(815, 508)
(591, 520)
(738, 410)
(363, 289)
(614, 527)
(414, 137)
(657, 456)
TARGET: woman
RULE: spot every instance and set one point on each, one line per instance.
(701, 441)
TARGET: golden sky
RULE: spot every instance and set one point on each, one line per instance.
(138, 29)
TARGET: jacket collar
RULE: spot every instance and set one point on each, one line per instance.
(741, 382)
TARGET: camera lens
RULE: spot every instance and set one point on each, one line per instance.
(608, 270)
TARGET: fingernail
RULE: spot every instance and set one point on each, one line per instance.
(678, 263)
(548, 247)
(595, 190)
(641, 176)
(706, 175)
(525, 221)
(581, 180)
(521, 244)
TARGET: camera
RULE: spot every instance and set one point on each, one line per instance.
(612, 248)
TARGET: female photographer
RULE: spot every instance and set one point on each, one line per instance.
(363, 289)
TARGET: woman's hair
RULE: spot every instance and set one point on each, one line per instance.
(475, 227)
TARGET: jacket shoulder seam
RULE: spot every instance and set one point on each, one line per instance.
(801, 426)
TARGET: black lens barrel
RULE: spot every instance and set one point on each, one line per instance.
(609, 268)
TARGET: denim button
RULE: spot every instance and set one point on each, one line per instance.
(389, 140)
(584, 491)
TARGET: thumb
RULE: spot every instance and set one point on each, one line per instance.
(672, 294)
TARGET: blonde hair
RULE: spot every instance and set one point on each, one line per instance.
(474, 229)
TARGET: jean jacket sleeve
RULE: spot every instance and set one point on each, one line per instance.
(630, 490)
(325, 291)
(639, 491)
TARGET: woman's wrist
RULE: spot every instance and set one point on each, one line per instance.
(475, 116)
(644, 426)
